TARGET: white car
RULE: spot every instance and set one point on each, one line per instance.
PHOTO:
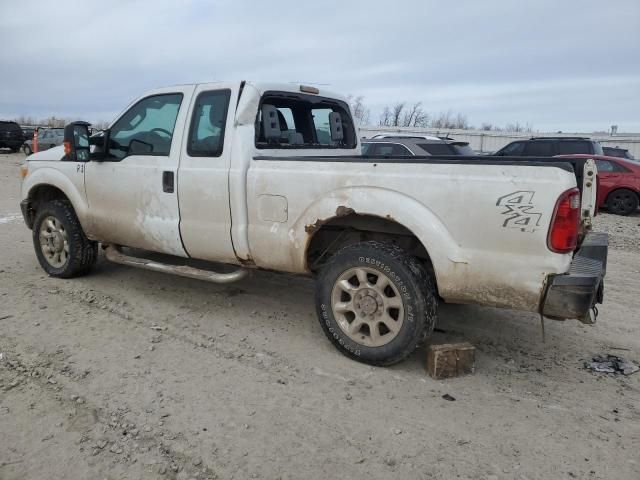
(270, 176)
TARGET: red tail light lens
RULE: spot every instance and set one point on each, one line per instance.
(563, 232)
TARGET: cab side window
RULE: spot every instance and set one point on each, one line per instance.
(146, 128)
(206, 133)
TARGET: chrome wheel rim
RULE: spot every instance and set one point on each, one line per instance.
(367, 306)
(54, 242)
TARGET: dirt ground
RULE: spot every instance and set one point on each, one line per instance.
(129, 374)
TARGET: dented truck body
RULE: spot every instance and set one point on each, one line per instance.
(481, 225)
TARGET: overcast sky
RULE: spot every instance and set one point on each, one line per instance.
(558, 65)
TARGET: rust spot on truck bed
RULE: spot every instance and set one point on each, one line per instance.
(343, 211)
(314, 227)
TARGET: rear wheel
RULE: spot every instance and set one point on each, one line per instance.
(61, 246)
(27, 150)
(375, 302)
(622, 201)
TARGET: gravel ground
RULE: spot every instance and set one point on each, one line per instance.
(129, 374)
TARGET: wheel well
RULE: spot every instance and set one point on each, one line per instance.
(622, 188)
(41, 194)
(331, 235)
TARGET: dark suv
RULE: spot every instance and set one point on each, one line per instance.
(550, 146)
(11, 135)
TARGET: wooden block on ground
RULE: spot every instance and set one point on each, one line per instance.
(450, 360)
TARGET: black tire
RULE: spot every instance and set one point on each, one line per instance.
(27, 150)
(622, 201)
(407, 275)
(82, 252)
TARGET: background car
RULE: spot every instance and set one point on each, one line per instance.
(11, 135)
(617, 152)
(550, 146)
(28, 131)
(47, 138)
(399, 146)
(618, 183)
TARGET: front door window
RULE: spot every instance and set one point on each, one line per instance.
(147, 128)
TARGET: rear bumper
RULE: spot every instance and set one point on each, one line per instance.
(574, 294)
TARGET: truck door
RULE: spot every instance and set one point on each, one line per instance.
(132, 194)
(203, 178)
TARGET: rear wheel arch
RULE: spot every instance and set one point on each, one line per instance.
(330, 236)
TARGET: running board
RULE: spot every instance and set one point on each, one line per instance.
(114, 255)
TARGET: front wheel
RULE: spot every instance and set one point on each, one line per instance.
(375, 302)
(61, 246)
(27, 150)
(622, 201)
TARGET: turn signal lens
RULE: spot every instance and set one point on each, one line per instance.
(24, 170)
(565, 223)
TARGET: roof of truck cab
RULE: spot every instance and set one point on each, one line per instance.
(265, 86)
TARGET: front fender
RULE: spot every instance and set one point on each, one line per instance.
(385, 203)
(66, 177)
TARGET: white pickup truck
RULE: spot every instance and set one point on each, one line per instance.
(270, 176)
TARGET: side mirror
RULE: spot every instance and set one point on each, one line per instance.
(335, 126)
(76, 142)
(100, 141)
(270, 123)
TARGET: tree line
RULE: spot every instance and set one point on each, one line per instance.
(404, 114)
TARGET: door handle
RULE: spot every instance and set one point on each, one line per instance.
(167, 182)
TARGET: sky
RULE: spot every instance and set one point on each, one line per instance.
(570, 65)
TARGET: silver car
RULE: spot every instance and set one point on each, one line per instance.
(401, 146)
(47, 138)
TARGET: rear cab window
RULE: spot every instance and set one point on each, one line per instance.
(303, 121)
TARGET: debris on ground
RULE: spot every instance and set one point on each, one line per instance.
(448, 397)
(611, 364)
(450, 360)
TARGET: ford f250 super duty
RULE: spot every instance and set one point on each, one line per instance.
(270, 176)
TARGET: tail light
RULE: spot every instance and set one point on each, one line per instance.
(565, 223)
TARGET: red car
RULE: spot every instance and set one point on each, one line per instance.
(619, 183)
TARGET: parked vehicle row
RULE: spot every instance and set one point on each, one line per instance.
(47, 138)
(619, 175)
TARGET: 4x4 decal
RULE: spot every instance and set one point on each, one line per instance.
(518, 210)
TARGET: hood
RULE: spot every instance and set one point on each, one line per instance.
(55, 153)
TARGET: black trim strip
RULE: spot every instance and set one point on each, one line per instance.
(433, 159)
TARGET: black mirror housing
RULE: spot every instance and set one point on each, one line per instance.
(76, 142)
